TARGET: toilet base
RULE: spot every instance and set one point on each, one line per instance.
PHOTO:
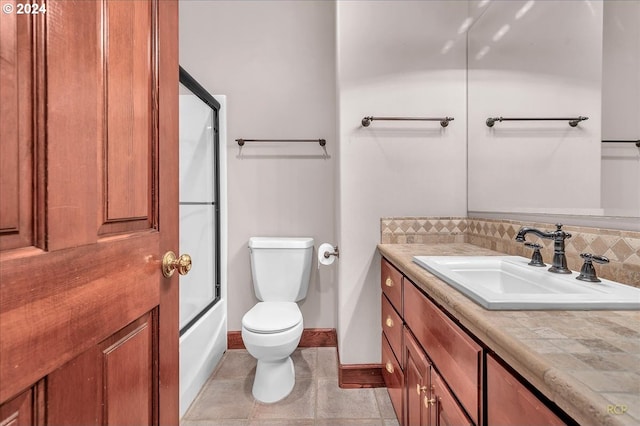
(274, 380)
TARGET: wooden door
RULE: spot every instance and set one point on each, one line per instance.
(88, 207)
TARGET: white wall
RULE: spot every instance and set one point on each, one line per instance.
(541, 59)
(275, 61)
(395, 58)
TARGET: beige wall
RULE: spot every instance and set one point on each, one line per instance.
(394, 59)
(275, 61)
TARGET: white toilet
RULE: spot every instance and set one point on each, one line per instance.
(271, 330)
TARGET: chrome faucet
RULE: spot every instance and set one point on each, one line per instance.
(558, 236)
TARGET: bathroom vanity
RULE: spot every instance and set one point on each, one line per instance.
(449, 361)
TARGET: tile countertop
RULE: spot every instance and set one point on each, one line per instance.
(584, 361)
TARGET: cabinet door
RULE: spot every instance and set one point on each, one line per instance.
(445, 411)
(509, 402)
(416, 377)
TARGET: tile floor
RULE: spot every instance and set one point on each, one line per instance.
(316, 399)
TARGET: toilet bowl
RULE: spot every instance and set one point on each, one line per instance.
(271, 330)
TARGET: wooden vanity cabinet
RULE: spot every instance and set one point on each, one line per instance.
(444, 381)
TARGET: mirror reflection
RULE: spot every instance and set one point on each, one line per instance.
(583, 62)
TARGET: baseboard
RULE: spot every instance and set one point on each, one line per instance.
(234, 340)
(353, 376)
(311, 338)
(360, 376)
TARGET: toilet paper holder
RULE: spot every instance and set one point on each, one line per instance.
(335, 253)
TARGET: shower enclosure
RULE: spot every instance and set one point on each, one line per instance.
(202, 305)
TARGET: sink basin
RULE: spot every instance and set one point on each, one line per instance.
(508, 283)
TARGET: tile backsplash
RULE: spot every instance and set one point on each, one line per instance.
(621, 247)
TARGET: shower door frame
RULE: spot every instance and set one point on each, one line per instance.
(190, 83)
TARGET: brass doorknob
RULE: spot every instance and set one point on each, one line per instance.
(171, 263)
(389, 282)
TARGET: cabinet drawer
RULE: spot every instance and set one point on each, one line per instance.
(393, 378)
(392, 327)
(454, 354)
(391, 280)
(509, 402)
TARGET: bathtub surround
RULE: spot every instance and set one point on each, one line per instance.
(621, 247)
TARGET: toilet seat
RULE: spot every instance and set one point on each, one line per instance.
(272, 317)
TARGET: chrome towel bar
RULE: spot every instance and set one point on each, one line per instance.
(573, 122)
(444, 122)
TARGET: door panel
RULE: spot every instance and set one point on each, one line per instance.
(128, 373)
(111, 383)
(91, 268)
(18, 411)
(129, 133)
(16, 147)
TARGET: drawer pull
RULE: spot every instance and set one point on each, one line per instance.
(428, 401)
(420, 389)
(389, 322)
(389, 282)
(389, 367)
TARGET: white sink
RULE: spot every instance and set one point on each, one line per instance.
(508, 283)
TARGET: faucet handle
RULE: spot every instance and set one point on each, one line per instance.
(536, 257)
(588, 272)
(559, 229)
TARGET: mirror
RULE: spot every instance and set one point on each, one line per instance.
(561, 59)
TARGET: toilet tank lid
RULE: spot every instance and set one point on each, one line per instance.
(280, 242)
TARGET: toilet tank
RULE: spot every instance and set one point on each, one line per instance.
(281, 267)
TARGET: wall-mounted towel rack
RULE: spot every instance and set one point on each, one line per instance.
(444, 122)
(573, 122)
(322, 142)
(624, 141)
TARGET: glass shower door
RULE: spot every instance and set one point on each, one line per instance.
(199, 218)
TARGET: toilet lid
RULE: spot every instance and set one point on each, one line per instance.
(272, 317)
